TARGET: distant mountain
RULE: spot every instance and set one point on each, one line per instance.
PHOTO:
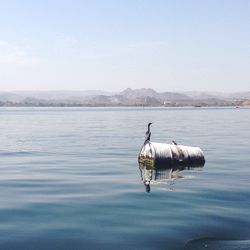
(173, 96)
(240, 95)
(201, 95)
(10, 97)
(143, 93)
(139, 93)
(61, 95)
(103, 100)
(127, 97)
(218, 95)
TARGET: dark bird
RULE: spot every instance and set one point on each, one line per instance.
(148, 133)
(174, 143)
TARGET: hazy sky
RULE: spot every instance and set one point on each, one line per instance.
(167, 45)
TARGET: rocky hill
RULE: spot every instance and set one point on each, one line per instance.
(128, 97)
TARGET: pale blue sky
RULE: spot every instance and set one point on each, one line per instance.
(201, 45)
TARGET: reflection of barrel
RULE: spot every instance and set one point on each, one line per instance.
(161, 154)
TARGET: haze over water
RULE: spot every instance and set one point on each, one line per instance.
(70, 178)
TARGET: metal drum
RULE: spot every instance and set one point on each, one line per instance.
(162, 154)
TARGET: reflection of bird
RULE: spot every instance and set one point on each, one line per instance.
(173, 142)
(148, 133)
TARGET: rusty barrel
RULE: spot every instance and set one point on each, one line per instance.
(163, 154)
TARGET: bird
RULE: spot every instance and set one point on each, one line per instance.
(173, 142)
(148, 133)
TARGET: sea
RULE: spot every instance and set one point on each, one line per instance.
(70, 179)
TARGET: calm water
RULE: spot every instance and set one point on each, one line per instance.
(70, 178)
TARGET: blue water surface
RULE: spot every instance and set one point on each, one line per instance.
(69, 178)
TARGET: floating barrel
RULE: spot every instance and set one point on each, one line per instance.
(161, 154)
